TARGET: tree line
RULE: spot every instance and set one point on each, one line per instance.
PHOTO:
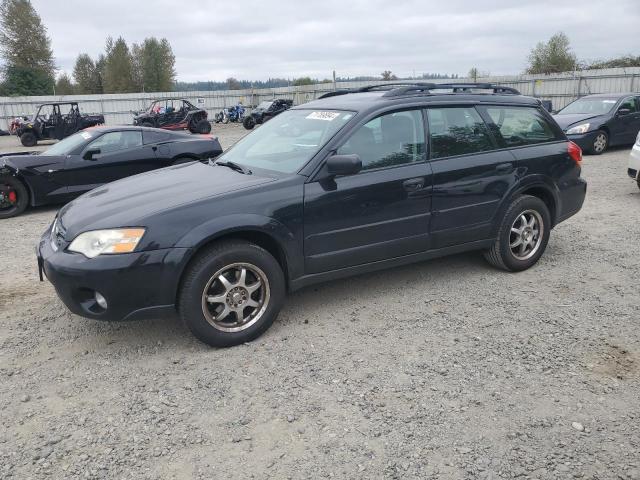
(29, 67)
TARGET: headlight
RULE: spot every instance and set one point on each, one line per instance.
(582, 128)
(99, 242)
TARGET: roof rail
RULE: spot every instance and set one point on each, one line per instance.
(399, 89)
(465, 87)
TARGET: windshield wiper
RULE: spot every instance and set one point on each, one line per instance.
(233, 165)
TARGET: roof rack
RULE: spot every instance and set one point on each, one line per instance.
(399, 89)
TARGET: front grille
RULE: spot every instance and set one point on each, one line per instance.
(632, 173)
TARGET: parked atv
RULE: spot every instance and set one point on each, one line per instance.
(265, 111)
(231, 114)
(49, 123)
(173, 114)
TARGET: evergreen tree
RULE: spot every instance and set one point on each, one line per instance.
(86, 75)
(64, 85)
(26, 50)
(118, 67)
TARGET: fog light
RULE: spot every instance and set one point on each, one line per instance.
(100, 300)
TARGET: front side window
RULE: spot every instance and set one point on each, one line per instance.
(628, 103)
(392, 139)
(457, 131)
(114, 141)
(521, 125)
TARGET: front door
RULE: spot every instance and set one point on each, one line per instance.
(628, 123)
(116, 155)
(381, 212)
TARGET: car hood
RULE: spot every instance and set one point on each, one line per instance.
(568, 120)
(130, 201)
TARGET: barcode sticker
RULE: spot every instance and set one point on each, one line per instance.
(328, 116)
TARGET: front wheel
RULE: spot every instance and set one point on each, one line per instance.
(522, 236)
(600, 142)
(249, 122)
(231, 293)
(14, 197)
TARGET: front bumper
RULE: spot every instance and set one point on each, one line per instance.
(135, 285)
(584, 140)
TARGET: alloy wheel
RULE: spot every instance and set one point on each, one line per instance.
(235, 297)
(526, 235)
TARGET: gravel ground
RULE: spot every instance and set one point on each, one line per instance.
(446, 369)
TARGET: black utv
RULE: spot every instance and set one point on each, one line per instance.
(174, 114)
(265, 111)
(49, 123)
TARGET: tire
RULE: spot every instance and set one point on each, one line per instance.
(249, 122)
(638, 181)
(147, 124)
(509, 255)
(201, 287)
(28, 139)
(14, 197)
(225, 119)
(203, 127)
(600, 143)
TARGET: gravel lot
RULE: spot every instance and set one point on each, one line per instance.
(446, 369)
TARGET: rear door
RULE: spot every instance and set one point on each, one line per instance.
(379, 213)
(471, 175)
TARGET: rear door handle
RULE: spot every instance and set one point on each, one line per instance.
(504, 167)
(413, 184)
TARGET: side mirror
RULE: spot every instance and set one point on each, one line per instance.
(343, 164)
(624, 111)
(88, 155)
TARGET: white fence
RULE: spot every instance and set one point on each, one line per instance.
(559, 88)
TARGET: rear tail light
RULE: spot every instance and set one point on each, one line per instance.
(575, 152)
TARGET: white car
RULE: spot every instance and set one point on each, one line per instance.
(634, 161)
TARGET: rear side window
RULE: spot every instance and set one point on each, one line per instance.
(151, 136)
(521, 125)
(457, 131)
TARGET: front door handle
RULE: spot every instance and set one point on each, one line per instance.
(413, 184)
(504, 167)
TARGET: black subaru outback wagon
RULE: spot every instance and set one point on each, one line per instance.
(350, 183)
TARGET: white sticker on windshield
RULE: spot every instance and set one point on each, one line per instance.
(609, 101)
(328, 116)
(85, 135)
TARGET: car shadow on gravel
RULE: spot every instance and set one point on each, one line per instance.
(310, 301)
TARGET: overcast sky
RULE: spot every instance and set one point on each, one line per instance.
(248, 39)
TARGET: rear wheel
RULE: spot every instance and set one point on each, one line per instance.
(600, 142)
(231, 293)
(14, 197)
(523, 235)
(28, 139)
(249, 122)
(146, 124)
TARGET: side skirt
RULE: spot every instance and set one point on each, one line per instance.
(314, 278)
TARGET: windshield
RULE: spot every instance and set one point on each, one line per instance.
(593, 106)
(69, 144)
(264, 105)
(287, 142)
